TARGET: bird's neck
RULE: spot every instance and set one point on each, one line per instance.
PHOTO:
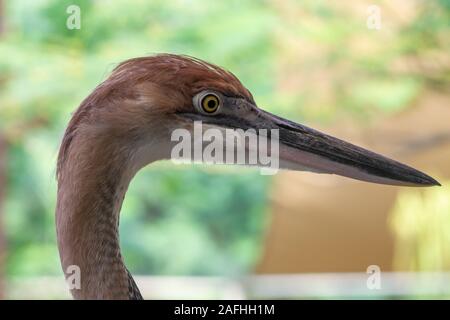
(91, 189)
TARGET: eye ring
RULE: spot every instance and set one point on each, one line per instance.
(207, 102)
(210, 103)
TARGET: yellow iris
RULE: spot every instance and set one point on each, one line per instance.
(210, 103)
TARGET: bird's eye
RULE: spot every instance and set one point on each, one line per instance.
(210, 103)
(207, 102)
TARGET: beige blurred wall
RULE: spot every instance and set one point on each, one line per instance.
(323, 223)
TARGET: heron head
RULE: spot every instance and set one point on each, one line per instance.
(164, 92)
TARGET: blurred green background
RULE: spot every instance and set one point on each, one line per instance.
(313, 61)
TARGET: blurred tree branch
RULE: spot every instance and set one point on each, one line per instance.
(1, 18)
(3, 153)
(2, 191)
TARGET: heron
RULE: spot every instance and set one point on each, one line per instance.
(125, 123)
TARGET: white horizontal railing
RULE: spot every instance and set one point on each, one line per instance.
(276, 286)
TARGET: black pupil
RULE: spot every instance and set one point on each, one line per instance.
(211, 104)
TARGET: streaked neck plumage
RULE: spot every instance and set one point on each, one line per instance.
(91, 189)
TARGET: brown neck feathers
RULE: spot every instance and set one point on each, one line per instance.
(91, 187)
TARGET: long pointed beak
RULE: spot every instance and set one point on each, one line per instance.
(303, 148)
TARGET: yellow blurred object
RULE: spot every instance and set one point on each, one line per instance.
(421, 223)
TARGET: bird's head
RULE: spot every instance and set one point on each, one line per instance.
(145, 99)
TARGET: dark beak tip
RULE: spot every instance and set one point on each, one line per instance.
(430, 182)
(436, 183)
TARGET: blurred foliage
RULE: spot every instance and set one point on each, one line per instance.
(312, 60)
(421, 224)
(174, 221)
